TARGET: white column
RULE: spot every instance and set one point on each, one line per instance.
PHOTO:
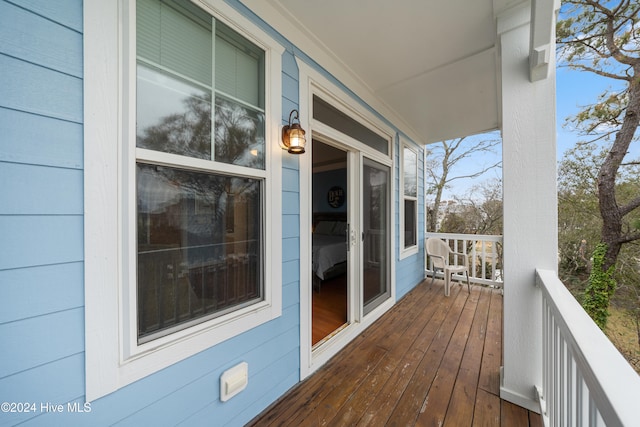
(530, 204)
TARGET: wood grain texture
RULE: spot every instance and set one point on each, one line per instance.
(420, 364)
(329, 308)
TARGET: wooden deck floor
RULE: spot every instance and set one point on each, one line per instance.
(431, 360)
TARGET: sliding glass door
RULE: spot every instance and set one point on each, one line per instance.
(376, 184)
(348, 234)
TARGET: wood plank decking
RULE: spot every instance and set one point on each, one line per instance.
(431, 360)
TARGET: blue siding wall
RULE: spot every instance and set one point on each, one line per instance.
(41, 249)
(41, 252)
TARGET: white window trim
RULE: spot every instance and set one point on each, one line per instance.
(112, 358)
(413, 249)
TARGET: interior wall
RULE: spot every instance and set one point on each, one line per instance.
(323, 182)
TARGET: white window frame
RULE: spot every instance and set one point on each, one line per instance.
(413, 249)
(112, 354)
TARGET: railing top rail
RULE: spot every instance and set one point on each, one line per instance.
(457, 236)
(614, 385)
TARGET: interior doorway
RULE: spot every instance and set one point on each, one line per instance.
(330, 206)
(346, 188)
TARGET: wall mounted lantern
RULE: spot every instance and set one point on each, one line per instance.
(293, 139)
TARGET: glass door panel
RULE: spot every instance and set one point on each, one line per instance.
(376, 184)
(330, 257)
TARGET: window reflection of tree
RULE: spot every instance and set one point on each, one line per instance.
(187, 134)
(193, 238)
(239, 132)
(239, 135)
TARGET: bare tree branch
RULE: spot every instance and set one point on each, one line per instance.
(635, 203)
(629, 238)
(598, 72)
(443, 162)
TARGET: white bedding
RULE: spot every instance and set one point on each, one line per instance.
(328, 250)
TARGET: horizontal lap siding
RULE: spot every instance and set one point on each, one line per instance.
(41, 250)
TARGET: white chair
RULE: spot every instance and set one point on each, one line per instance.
(440, 253)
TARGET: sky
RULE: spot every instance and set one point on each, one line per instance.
(574, 90)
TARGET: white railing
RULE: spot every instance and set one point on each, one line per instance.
(484, 256)
(586, 381)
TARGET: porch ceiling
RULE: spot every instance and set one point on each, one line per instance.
(433, 64)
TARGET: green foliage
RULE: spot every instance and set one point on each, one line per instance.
(600, 37)
(580, 223)
(598, 184)
(601, 288)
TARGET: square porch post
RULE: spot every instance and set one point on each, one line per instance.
(530, 202)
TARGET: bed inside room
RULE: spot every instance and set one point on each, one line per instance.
(329, 241)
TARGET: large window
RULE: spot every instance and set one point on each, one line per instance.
(409, 208)
(182, 177)
(199, 246)
(200, 95)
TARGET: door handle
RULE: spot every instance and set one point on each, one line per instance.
(348, 234)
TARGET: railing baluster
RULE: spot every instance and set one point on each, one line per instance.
(563, 381)
(545, 355)
(554, 384)
(593, 413)
(494, 257)
(476, 246)
(580, 406)
(571, 406)
(586, 381)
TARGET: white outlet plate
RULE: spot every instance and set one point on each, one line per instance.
(233, 381)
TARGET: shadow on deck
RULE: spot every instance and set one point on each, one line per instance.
(431, 360)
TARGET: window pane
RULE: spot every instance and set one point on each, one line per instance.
(335, 118)
(239, 134)
(410, 168)
(239, 67)
(409, 223)
(177, 57)
(199, 247)
(177, 36)
(173, 115)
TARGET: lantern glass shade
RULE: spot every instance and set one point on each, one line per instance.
(293, 139)
(297, 140)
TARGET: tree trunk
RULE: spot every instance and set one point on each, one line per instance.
(612, 233)
(433, 219)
